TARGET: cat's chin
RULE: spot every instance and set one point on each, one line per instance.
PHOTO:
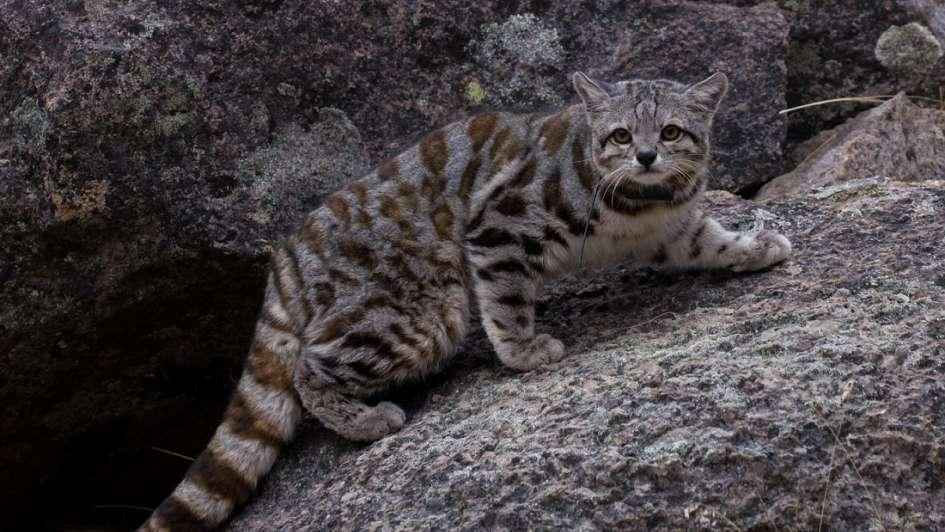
(649, 178)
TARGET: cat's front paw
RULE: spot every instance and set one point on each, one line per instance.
(536, 352)
(766, 249)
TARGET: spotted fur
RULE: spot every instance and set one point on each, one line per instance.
(376, 286)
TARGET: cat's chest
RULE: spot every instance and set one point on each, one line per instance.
(618, 238)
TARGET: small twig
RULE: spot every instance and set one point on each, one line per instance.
(172, 453)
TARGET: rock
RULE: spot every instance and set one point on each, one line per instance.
(832, 54)
(689, 401)
(517, 57)
(911, 48)
(896, 139)
(689, 41)
(932, 12)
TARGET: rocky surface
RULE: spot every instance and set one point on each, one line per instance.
(150, 152)
(691, 401)
(897, 139)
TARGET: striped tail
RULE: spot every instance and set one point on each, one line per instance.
(261, 417)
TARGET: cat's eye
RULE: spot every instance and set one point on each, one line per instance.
(670, 133)
(621, 136)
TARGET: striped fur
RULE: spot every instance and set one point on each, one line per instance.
(377, 285)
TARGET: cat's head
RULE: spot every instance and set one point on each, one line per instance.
(650, 134)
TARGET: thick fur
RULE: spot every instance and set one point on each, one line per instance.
(377, 286)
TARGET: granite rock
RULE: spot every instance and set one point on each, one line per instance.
(897, 139)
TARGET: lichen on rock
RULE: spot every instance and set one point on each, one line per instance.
(910, 48)
(519, 60)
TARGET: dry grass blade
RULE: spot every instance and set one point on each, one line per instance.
(172, 453)
(879, 98)
(860, 99)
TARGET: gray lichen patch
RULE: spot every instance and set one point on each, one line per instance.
(910, 48)
(521, 60)
(29, 123)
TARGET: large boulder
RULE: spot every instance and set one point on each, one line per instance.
(811, 394)
(897, 139)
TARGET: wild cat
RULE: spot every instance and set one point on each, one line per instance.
(377, 285)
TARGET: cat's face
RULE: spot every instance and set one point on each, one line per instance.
(650, 133)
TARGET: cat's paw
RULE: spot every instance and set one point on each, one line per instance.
(539, 351)
(766, 249)
(377, 422)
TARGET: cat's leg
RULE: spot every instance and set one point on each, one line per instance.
(506, 288)
(341, 410)
(703, 243)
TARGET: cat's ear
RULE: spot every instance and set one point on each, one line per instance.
(709, 92)
(594, 97)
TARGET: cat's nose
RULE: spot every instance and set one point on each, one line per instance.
(646, 158)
